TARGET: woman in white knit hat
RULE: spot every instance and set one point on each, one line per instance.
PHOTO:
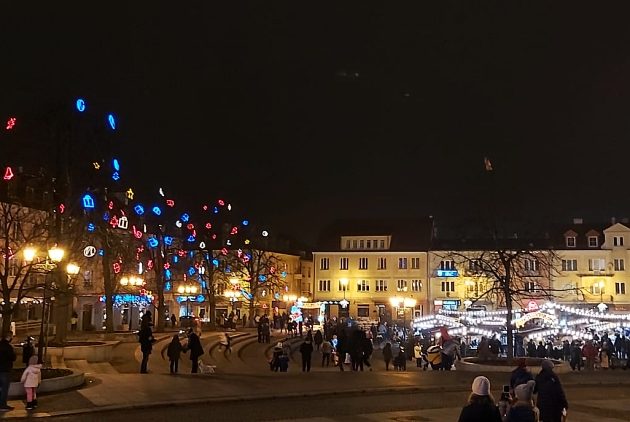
(481, 406)
(523, 410)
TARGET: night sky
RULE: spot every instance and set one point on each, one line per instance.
(305, 112)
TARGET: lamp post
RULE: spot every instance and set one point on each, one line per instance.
(404, 303)
(601, 284)
(50, 265)
(133, 282)
(187, 289)
(344, 303)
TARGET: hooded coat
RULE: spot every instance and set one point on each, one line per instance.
(32, 375)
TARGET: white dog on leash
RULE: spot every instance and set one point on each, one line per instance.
(206, 369)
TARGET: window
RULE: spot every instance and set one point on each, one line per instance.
(363, 263)
(598, 289)
(619, 264)
(618, 241)
(620, 288)
(363, 286)
(474, 265)
(375, 244)
(415, 263)
(416, 285)
(382, 263)
(592, 242)
(402, 263)
(361, 244)
(382, 244)
(354, 244)
(342, 287)
(531, 265)
(343, 263)
(324, 285)
(569, 265)
(472, 287)
(597, 264)
(363, 311)
(368, 244)
(447, 265)
(87, 278)
(531, 287)
(381, 285)
(401, 285)
(570, 241)
(348, 244)
(448, 286)
(324, 264)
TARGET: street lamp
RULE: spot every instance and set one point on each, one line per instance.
(601, 285)
(404, 303)
(344, 283)
(187, 289)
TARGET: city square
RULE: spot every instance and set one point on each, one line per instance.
(354, 211)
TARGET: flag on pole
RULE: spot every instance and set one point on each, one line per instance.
(487, 163)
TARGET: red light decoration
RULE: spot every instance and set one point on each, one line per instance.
(221, 202)
(8, 174)
(181, 253)
(190, 226)
(224, 251)
(167, 266)
(114, 222)
(205, 208)
(170, 203)
(234, 230)
(110, 205)
(116, 267)
(208, 226)
(11, 123)
(136, 233)
(150, 264)
(214, 237)
(62, 208)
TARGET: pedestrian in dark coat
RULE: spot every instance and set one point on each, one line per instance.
(196, 350)
(7, 357)
(145, 338)
(318, 339)
(174, 351)
(481, 406)
(28, 350)
(520, 375)
(387, 355)
(306, 350)
(551, 400)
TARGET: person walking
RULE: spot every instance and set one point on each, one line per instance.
(387, 355)
(173, 320)
(226, 342)
(306, 350)
(7, 357)
(481, 406)
(145, 338)
(318, 339)
(31, 378)
(520, 375)
(576, 357)
(367, 348)
(196, 350)
(551, 400)
(28, 350)
(74, 320)
(417, 354)
(326, 351)
(174, 351)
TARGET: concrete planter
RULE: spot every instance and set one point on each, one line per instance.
(474, 365)
(93, 353)
(74, 380)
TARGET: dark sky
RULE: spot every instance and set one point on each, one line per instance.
(302, 112)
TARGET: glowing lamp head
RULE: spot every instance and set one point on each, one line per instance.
(29, 253)
(124, 281)
(72, 269)
(181, 290)
(56, 254)
(344, 282)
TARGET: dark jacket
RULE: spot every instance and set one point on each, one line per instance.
(7, 356)
(551, 398)
(306, 349)
(145, 337)
(521, 413)
(520, 376)
(318, 337)
(174, 349)
(27, 351)
(387, 352)
(475, 412)
(195, 347)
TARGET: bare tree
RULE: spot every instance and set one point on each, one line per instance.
(20, 227)
(509, 275)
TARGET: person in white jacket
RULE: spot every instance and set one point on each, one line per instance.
(31, 378)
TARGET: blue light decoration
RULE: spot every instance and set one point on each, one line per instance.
(153, 242)
(139, 209)
(112, 121)
(200, 298)
(283, 274)
(246, 222)
(191, 271)
(447, 273)
(116, 176)
(191, 238)
(215, 262)
(191, 254)
(91, 227)
(203, 284)
(116, 164)
(106, 216)
(262, 278)
(88, 201)
(80, 105)
(120, 300)
(215, 210)
(156, 210)
(175, 259)
(167, 286)
(168, 240)
(246, 295)
(185, 217)
(168, 274)
(101, 252)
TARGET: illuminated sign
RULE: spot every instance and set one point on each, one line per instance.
(447, 273)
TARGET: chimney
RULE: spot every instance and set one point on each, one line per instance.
(578, 221)
(613, 221)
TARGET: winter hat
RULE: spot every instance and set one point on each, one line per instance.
(481, 386)
(33, 360)
(547, 364)
(524, 391)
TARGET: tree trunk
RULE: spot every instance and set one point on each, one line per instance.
(109, 293)
(212, 303)
(159, 285)
(252, 311)
(508, 320)
(7, 317)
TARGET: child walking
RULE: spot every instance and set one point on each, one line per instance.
(31, 378)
